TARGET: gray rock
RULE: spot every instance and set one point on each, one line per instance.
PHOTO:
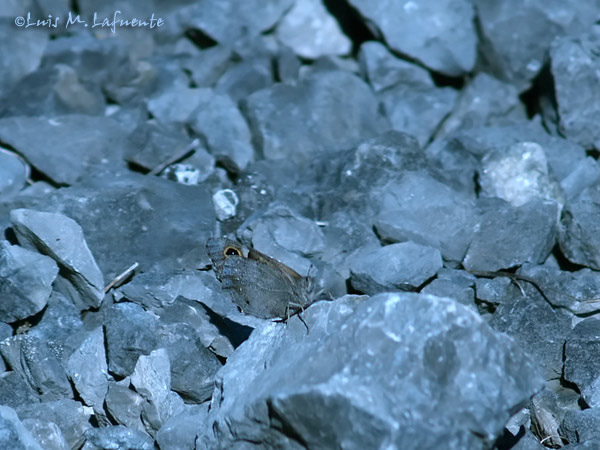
(193, 366)
(13, 173)
(321, 385)
(98, 143)
(175, 104)
(20, 53)
(496, 290)
(333, 110)
(575, 291)
(416, 109)
(60, 326)
(411, 208)
(153, 142)
(581, 426)
(15, 390)
(124, 405)
(454, 284)
(144, 210)
(61, 238)
(47, 434)
(152, 380)
(13, 433)
(533, 26)
(585, 174)
(579, 231)
(228, 21)
(581, 366)
(130, 332)
(117, 437)
(397, 266)
(25, 282)
(507, 236)
(87, 369)
(518, 174)
(220, 124)
(383, 70)
(70, 416)
(179, 432)
(538, 329)
(53, 92)
(310, 30)
(35, 361)
(242, 79)
(441, 35)
(208, 65)
(575, 66)
(485, 101)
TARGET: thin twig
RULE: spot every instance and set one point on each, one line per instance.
(119, 279)
(187, 151)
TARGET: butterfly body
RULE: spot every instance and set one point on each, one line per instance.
(260, 285)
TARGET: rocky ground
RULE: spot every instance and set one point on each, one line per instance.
(432, 163)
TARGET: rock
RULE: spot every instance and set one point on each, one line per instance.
(69, 415)
(538, 329)
(61, 238)
(228, 21)
(242, 79)
(87, 369)
(47, 434)
(331, 111)
(117, 437)
(124, 404)
(20, 53)
(454, 284)
(53, 92)
(575, 65)
(15, 390)
(507, 236)
(518, 174)
(179, 432)
(220, 124)
(39, 366)
(416, 109)
(485, 101)
(310, 30)
(581, 367)
(533, 27)
(319, 392)
(581, 426)
(397, 266)
(209, 65)
(98, 143)
(144, 210)
(175, 104)
(441, 35)
(411, 207)
(193, 366)
(13, 173)
(129, 332)
(13, 433)
(383, 70)
(579, 229)
(25, 282)
(152, 380)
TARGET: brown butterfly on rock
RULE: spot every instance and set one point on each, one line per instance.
(259, 285)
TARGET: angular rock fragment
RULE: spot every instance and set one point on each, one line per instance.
(440, 34)
(130, 332)
(25, 282)
(13, 433)
(507, 236)
(62, 239)
(321, 385)
(13, 173)
(117, 437)
(397, 266)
